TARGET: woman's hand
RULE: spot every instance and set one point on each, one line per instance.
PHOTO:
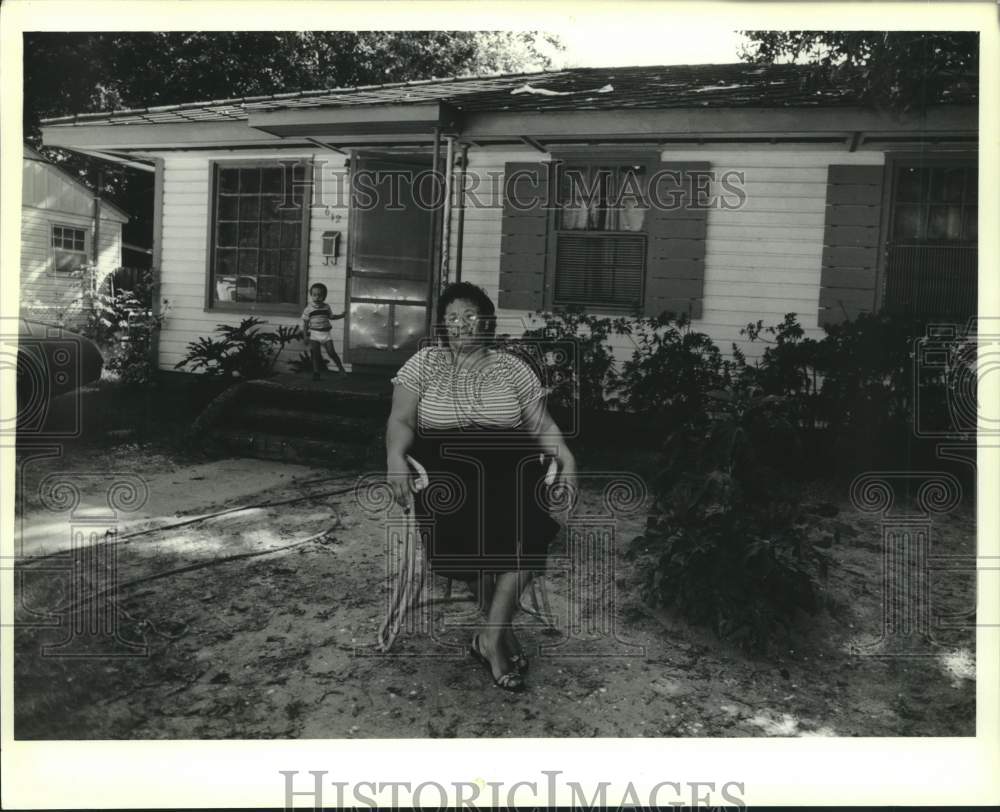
(398, 476)
(561, 478)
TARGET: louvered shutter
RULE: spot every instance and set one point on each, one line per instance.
(524, 236)
(675, 265)
(850, 242)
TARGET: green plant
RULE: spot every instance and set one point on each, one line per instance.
(303, 363)
(572, 350)
(671, 371)
(122, 323)
(724, 544)
(241, 352)
(860, 385)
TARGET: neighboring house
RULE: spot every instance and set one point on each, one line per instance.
(813, 203)
(57, 238)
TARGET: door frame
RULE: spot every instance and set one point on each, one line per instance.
(417, 155)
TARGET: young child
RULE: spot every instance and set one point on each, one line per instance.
(316, 328)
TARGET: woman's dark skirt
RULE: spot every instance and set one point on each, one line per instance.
(484, 509)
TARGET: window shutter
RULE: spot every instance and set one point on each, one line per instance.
(850, 242)
(524, 236)
(675, 268)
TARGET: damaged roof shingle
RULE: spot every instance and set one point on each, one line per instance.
(657, 87)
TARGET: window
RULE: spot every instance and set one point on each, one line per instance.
(935, 204)
(259, 236)
(626, 233)
(931, 256)
(69, 248)
(600, 244)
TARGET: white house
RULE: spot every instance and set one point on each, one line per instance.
(729, 192)
(58, 234)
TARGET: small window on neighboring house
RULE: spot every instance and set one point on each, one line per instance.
(69, 248)
(259, 237)
(600, 251)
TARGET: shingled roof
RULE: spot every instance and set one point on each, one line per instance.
(667, 86)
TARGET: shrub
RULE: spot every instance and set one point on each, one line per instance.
(671, 371)
(860, 384)
(303, 363)
(723, 545)
(122, 323)
(241, 352)
(576, 362)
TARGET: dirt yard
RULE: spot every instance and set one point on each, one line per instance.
(259, 624)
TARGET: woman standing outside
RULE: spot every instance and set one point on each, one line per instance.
(476, 416)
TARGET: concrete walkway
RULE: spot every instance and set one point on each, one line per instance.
(128, 502)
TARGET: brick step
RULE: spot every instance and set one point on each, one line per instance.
(306, 395)
(297, 422)
(288, 448)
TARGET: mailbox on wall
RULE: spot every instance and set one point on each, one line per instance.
(331, 246)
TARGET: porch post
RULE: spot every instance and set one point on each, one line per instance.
(449, 159)
(433, 282)
(460, 203)
(155, 270)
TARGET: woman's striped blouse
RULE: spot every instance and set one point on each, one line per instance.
(490, 392)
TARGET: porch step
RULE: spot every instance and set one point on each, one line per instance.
(338, 420)
(289, 448)
(319, 425)
(321, 395)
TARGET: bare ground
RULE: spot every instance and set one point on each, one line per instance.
(278, 645)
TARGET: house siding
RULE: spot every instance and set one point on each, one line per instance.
(762, 260)
(185, 245)
(49, 197)
(56, 297)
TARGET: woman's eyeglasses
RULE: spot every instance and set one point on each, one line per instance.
(468, 318)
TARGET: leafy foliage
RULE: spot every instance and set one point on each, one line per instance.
(578, 363)
(723, 545)
(671, 371)
(862, 385)
(122, 323)
(788, 367)
(303, 363)
(241, 352)
(67, 73)
(84, 71)
(897, 69)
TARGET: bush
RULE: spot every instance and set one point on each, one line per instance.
(860, 385)
(303, 363)
(671, 372)
(242, 352)
(723, 545)
(583, 375)
(122, 323)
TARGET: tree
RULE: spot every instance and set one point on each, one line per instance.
(81, 72)
(900, 70)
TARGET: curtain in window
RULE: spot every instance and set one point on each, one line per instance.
(603, 198)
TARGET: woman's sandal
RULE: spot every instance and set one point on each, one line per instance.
(511, 681)
(520, 661)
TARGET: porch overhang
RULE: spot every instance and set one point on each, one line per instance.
(814, 121)
(186, 135)
(412, 124)
(374, 119)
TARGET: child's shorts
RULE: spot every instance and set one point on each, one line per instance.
(322, 336)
